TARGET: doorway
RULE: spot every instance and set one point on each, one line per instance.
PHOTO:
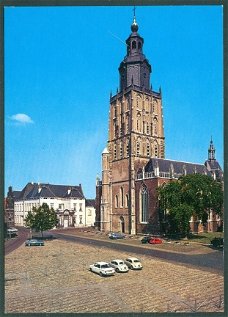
(122, 224)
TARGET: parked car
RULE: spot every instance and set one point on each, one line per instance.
(145, 239)
(133, 263)
(12, 231)
(217, 242)
(119, 266)
(34, 242)
(102, 268)
(155, 241)
(116, 235)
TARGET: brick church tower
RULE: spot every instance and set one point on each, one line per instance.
(135, 135)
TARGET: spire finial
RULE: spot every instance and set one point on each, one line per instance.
(134, 26)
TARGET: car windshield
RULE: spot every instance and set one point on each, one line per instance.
(105, 266)
(121, 262)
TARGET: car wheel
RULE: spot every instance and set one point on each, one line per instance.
(117, 270)
(100, 274)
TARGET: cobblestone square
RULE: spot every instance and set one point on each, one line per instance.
(56, 278)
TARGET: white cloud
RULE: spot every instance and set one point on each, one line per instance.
(21, 118)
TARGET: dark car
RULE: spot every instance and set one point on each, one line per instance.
(155, 241)
(116, 235)
(217, 242)
(145, 239)
(34, 242)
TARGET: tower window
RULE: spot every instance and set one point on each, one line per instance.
(121, 197)
(116, 201)
(126, 201)
(137, 148)
(127, 147)
(156, 151)
(121, 150)
(148, 149)
(139, 45)
(147, 128)
(133, 45)
(115, 156)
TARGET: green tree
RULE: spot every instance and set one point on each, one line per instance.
(194, 194)
(41, 219)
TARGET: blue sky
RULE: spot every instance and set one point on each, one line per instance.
(61, 63)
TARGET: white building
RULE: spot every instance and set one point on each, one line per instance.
(68, 201)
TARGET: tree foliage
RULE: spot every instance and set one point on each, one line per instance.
(41, 219)
(194, 194)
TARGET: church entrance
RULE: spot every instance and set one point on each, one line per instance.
(122, 224)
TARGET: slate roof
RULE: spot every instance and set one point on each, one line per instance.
(178, 167)
(90, 203)
(35, 191)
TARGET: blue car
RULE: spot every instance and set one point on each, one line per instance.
(34, 242)
(116, 235)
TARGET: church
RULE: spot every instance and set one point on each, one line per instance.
(133, 163)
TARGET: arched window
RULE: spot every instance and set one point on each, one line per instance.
(144, 204)
(148, 148)
(139, 45)
(137, 148)
(127, 148)
(155, 122)
(115, 155)
(116, 201)
(133, 44)
(126, 201)
(121, 197)
(156, 150)
(121, 150)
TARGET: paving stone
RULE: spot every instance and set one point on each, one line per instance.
(56, 278)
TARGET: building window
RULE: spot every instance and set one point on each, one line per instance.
(115, 154)
(116, 201)
(156, 151)
(80, 207)
(133, 44)
(75, 207)
(148, 149)
(126, 201)
(89, 212)
(147, 128)
(127, 148)
(139, 45)
(144, 204)
(121, 197)
(121, 150)
(80, 220)
(137, 148)
(52, 205)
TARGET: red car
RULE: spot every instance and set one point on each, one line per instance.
(155, 241)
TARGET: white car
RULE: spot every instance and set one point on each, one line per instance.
(102, 268)
(119, 266)
(133, 264)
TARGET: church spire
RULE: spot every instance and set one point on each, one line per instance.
(135, 68)
(211, 151)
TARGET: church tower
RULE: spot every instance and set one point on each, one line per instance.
(135, 135)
